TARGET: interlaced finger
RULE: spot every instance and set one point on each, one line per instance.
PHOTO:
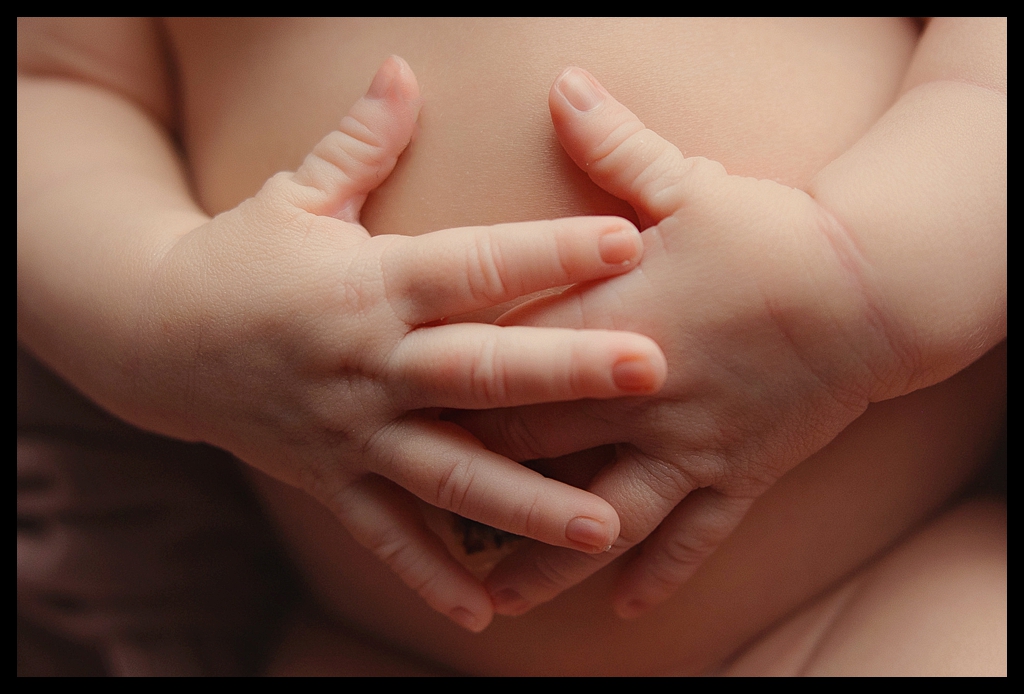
(476, 366)
(456, 271)
(643, 490)
(386, 521)
(447, 468)
(677, 548)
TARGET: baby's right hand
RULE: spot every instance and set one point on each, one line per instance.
(282, 332)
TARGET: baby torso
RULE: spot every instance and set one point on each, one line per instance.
(772, 99)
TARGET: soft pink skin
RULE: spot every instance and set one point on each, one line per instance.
(282, 332)
(910, 240)
(731, 286)
(778, 326)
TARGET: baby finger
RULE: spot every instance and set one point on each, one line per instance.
(674, 552)
(388, 523)
(353, 160)
(456, 271)
(474, 366)
(447, 468)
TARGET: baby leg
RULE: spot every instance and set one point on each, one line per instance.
(934, 605)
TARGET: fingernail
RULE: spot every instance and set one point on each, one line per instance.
(383, 80)
(588, 531)
(619, 247)
(508, 601)
(635, 374)
(578, 89)
(466, 619)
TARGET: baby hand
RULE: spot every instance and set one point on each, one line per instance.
(775, 344)
(290, 337)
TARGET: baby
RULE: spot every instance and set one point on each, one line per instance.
(281, 331)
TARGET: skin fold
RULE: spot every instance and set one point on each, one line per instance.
(795, 289)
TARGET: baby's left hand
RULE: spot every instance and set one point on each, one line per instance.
(774, 337)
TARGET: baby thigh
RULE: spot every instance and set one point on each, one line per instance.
(936, 604)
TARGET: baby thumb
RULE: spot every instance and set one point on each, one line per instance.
(353, 160)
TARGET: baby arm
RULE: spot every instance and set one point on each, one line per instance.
(783, 313)
(283, 332)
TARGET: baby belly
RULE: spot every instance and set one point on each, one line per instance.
(767, 98)
(772, 99)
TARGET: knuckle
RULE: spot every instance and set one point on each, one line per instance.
(403, 289)
(685, 550)
(660, 174)
(667, 479)
(680, 183)
(398, 554)
(360, 133)
(528, 520)
(332, 161)
(454, 487)
(626, 151)
(665, 189)
(486, 270)
(353, 153)
(352, 147)
(664, 577)
(488, 378)
(624, 140)
(565, 240)
(577, 381)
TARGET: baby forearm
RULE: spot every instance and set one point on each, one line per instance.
(923, 197)
(101, 196)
